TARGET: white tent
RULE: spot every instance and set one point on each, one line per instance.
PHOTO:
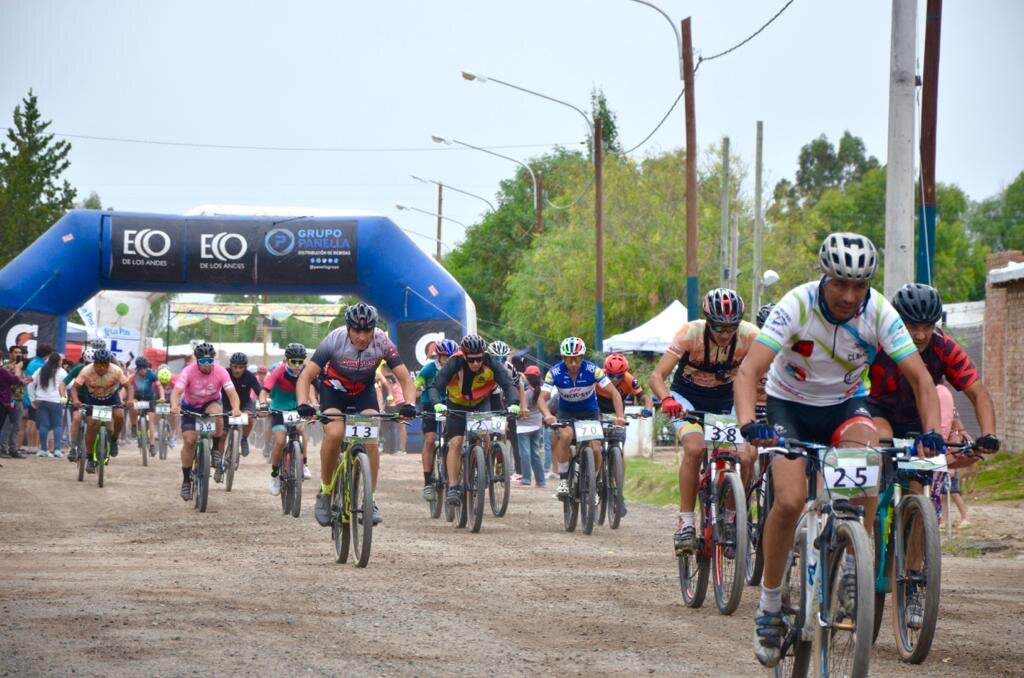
(654, 335)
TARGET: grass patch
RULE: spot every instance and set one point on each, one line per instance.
(1000, 478)
(649, 482)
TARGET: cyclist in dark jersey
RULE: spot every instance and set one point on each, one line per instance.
(346, 365)
(245, 384)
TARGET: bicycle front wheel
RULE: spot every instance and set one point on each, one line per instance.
(144, 438)
(795, 662)
(916, 585)
(571, 503)
(499, 483)
(296, 473)
(438, 502)
(694, 568)
(847, 614)
(165, 435)
(342, 520)
(80, 446)
(201, 469)
(729, 551)
(230, 459)
(615, 476)
(758, 503)
(476, 487)
(101, 454)
(361, 496)
(588, 491)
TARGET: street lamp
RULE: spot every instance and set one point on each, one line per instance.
(596, 146)
(534, 188)
(440, 184)
(437, 216)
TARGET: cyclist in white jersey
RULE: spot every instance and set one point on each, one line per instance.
(819, 341)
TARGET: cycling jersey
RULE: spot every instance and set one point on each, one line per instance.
(101, 385)
(423, 379)
(628, 386)
(72, 375)
(349, 370)
(579, 394)
(821, 363)
(280, 384)
(198, 389)
(706, 370)
(145, 384)
(891, 392)
(245, 386)
(466, 389)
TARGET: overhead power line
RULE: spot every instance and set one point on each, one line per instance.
(658, 126)
(303, 149)
(753, 35)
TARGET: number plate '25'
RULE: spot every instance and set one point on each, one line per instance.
(851, 472)
(361, 428)
(721, 429)
(587, 429)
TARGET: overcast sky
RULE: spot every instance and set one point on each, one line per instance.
(385, 75)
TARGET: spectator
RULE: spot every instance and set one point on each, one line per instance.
(9, 379)
(43, 352)
(394, 398)
(15, 405)
(47, 391)
(531, 438)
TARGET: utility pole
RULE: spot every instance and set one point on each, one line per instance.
(899, 181)
(734, 250)
(724, 236)
(755, 286)
(929, 119)
(692, 292)
(440, 205)
(538, 209)
(599, 227)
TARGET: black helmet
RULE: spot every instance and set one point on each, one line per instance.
(239, 359)
(723, 306)
(917, 303)
(762, 314)
(361, 316)
(472, 343)
(204, 350)
(294, 351)
(102, 355)
(141, 363)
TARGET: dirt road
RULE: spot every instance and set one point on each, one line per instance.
(129, 580)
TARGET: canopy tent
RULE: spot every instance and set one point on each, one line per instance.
(654, 335)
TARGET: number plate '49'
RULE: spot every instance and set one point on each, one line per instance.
(851, 472)
(721, 429)
(361, 428)
(587, 429)
(290, 417)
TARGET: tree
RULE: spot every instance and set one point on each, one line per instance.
(999, 220)
(609, 125)
(821, 166)
(32, 194)
(92, 202)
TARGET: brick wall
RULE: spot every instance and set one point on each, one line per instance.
(1003, 370)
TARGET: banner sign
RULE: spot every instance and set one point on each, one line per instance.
(413, 336)
(27, 329)
(221, 252)
(123, 342)
(87, 312)
(145, 248)
(297, 253)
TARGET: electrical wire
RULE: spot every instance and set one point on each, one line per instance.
(753, 35)
(663, 119)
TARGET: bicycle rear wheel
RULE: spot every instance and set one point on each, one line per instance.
(795, 662)
(438, 502)
(476, 487)
(499, 483)
(201, 469)
(615, 476)
(694, 568)
(101, 453)
(296, 473)
(588, 491)
(844, 635)
(571, 503)
(362, 507)
(230, 458)
(915, 524)
(341, 525)
(729, 555)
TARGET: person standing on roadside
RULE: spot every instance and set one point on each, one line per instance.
(47, 391)
(10, 381)
(529, 430)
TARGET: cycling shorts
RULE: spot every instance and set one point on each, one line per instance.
(277, 422)
(429, 422)
(909, 429)
(455, 423)
(110, 401)
(188, 421)
(824, 425)
(684, 427)
(332, 399)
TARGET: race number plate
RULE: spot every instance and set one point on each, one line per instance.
(851, 472)
(206, 425)
(102, 412)
(498, 425)
(588, 429)
(163, 408)
(919, 464)
(363, 429)
(240, 420)
(478, 423)
(290, 417)
(141, 406)
(721, 429)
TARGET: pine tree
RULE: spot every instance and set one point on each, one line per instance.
(32, 194)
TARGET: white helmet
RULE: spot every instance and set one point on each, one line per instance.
(87, 354)
(848, 256)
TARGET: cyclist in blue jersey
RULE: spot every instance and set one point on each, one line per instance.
(445, 349)
(575, 380)
(147, 389)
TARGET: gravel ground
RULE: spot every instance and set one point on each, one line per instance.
(129, 580)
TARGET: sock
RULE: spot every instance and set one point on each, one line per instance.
(771, 599)
(686, 518)
(324, 489)
(563, 467)
(186, 473)
(273, 471)
(427, 477)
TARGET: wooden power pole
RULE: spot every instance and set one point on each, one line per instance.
(692, 291)
(755, 287)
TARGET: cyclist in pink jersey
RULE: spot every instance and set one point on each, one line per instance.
(198, 389)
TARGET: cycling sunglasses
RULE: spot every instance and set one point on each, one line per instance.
(613, 375)
(724, 329)
(205, 361)
(474, 358)
(297, 363)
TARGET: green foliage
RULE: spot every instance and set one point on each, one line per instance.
(999, 220)
(609, 125)
(650, 482)
(1001, 478)
(93, 202)
(32, 194)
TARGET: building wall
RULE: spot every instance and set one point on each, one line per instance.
(1004, 351)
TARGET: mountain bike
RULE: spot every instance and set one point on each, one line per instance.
(475, 476)
(78, 446)
(290, 469)
(720, 516)
(493, 432)
(352, 487)
(582, 497)
(163, 428)
(814, 606)
(142, 428)
(611, 477)
(232, 450)
(104, 414)
(206, 427)
(439, 464)
(908, 549)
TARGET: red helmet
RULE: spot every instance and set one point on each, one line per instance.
(616, 363)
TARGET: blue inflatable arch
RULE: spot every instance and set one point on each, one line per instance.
(348, 253)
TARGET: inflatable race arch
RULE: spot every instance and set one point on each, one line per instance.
(338, 253)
